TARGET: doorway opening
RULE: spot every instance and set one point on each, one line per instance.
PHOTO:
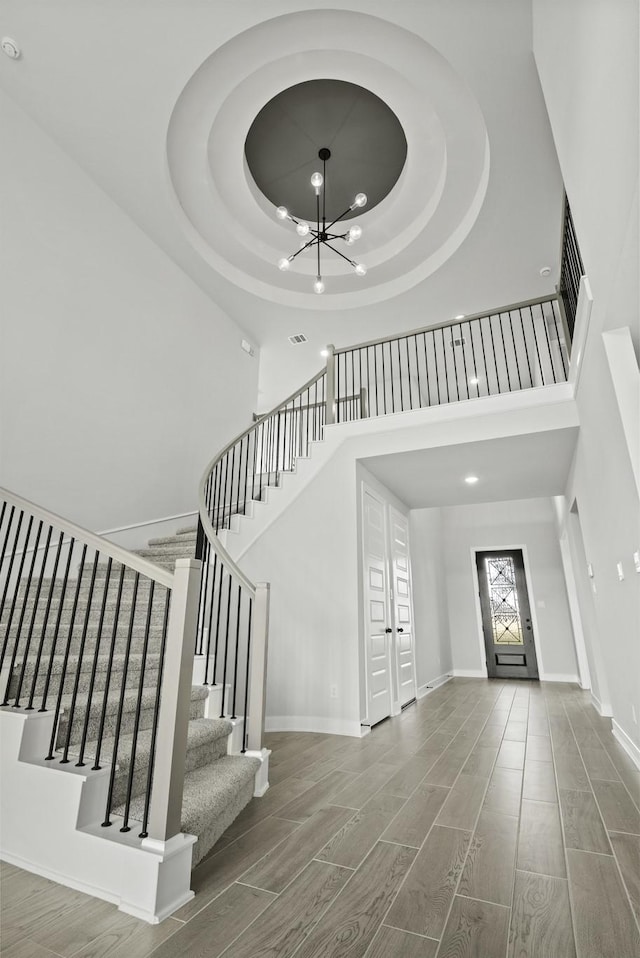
(506, 614)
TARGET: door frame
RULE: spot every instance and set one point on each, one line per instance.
(364, 673)
(532, 604)
(396, 674)
(392, 655)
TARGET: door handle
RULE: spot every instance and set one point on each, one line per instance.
(388, 630)
(399, 630)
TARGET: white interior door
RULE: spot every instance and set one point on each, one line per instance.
(376, 619)
(402, 605)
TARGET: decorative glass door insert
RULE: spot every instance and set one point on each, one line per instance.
(506, 614)
(503, 599)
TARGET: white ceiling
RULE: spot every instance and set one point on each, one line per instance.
(467, 228)
(516, 467)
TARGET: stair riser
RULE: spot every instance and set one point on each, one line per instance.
(100, 682)
(144, 586)
(196, 710)
(194, 758)
(92, 634)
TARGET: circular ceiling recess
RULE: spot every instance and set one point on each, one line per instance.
(367, 143)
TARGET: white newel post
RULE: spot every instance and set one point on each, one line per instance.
(258, 668)
(175, 699)
(330, 416)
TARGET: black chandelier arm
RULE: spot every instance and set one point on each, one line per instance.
(303, 248)
(350, 261)
(333, 222)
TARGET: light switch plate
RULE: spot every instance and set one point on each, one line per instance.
(620, 571)
(636, 561)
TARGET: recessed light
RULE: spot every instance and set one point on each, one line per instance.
(471, 479)
(474, 381)
(460, 316)
(545, 271)
(324, 352)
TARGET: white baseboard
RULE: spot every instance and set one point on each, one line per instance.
(569, 677)
(602, 708)
(432, 685)
(627, 743)
(469, 673)
(314, 723)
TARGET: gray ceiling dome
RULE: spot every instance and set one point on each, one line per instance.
(368, 147)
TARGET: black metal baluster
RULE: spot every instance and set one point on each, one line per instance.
(393, 396)
(454, 350)
(235, 665)
(375, 376)
(65, 661)
(123, 689)
(246, 680)
(484, 358)
(504, 351)
(215, 648)
(526, 347)
(446, 365)
(400, 376)
(107, 685)
(549, 347)
(211, 605)
(138, 710)
(231, 493)
(226, 649)
(25, 654)
(23, 557)
(426, 366)
(463, 347)
(222, 506)
(560, 349)
(36, 668)
(495, 361)
(154, 727)
(76, 682)
(515, 349)
(56, 631)
(9, 570)
(94, 667)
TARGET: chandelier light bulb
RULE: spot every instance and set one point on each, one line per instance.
(354, 234)
(317, 180)
(360, 200)
(302, 229)
(318, 286)
(284, 263)
(360, 269)
(282, 212)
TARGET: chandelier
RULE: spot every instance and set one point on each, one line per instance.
(323, 235)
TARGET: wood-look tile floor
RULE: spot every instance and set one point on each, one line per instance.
(494, 819)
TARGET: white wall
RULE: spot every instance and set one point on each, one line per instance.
(433, 646)
(119, 378)
(522, 522)
(310, 557)
(587, 57)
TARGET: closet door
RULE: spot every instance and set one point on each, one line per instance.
(376, 619)
(402, 606)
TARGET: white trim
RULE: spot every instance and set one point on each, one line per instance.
(103, 546)
(148, 522)
(432, 685)
(602, 708)
(625, 379)
(627, 743)
(470, 673)
(315, 723)
(574, 607)
(581, 328)
(560, 677)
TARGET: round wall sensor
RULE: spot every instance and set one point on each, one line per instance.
(545, 271)
(10, 47)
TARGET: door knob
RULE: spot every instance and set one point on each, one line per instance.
(388, 630)
(399, 630)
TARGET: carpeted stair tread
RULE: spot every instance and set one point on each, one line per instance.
(214, 795)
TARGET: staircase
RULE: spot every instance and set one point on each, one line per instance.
(103, 659)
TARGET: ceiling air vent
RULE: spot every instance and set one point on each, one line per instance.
(297, 339)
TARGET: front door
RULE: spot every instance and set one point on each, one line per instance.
(402, 610)
(377, 627)
(506, 615)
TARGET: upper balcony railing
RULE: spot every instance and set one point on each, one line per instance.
(517, 347)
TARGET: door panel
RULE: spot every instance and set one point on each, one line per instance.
(402, 609)
(506, 614)
(378, 665)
